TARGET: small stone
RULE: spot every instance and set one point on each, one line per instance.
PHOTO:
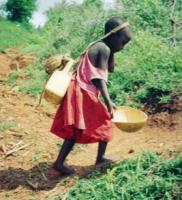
(131, 151)
(158, 152)
(161, 144)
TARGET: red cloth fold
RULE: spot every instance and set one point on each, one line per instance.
(83, 117)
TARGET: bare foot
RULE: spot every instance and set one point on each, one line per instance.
(63, 169)
(53, 173)
(104, 161)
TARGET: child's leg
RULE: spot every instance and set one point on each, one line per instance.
(101, 151)
(100, 155)
(65, 150)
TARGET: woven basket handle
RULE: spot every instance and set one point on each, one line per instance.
(68, 66)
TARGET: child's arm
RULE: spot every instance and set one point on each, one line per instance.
(99, 55)
(111, 63)
(101, 85)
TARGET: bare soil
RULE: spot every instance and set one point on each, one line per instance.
(24, 173)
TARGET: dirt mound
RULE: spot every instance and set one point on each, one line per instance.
(11, 59)
(11, 53)
(167, 114)
(165, 119)
(4, 66)
(22, 61)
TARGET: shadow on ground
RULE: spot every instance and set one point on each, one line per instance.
(38, 177)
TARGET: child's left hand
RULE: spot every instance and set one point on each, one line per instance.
(111, 106)
(114, 106)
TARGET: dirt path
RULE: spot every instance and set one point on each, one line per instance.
(23, 174)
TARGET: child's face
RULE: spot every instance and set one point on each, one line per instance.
(119, 45)
(121, 40)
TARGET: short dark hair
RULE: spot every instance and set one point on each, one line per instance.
(113, 23)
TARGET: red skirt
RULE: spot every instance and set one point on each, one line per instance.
(83, 117)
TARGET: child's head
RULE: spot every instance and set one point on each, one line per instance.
(117, 40)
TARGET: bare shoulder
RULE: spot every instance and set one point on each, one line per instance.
(100, 47)
(99, 54)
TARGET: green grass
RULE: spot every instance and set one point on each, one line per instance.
(34, 79)
(146, 177)
(16, 35)
(5, 125)
(34, 88)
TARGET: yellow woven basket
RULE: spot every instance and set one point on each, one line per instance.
(129, 119)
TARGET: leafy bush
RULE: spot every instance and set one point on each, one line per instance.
(20, 11)
(153, 15)
(146, 73)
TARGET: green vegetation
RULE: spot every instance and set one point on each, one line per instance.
(20, 11)
(148, 176)
(149, 69)
(15, 35)
(7, 125)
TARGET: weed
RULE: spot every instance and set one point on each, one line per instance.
(7, 125)
(148, 176)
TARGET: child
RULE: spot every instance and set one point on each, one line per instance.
(82, 117)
